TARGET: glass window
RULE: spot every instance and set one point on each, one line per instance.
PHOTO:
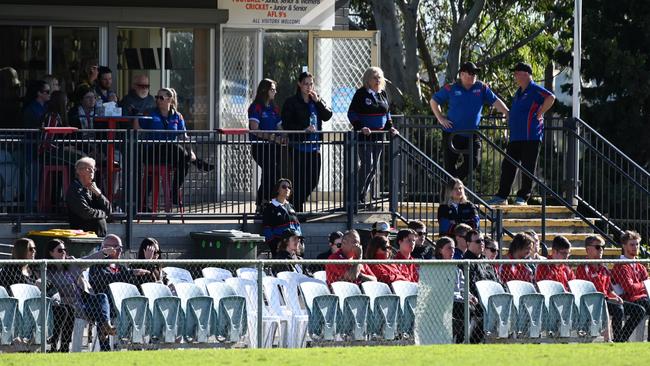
(285, 53)
(137, 51)
(71, 49)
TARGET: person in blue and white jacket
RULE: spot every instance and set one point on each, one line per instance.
(279, 215)
(369, 112)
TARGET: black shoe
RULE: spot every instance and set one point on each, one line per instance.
(202, 165)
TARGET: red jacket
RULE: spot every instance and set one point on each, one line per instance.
(518, 271)
(599, 275)
(631, 276)
(335, 272)
(410, 270)
(388, 273)
(555, 272)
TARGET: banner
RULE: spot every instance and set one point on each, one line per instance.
(289, 14)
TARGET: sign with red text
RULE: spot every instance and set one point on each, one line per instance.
(289, 14)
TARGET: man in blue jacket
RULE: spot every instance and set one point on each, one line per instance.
(466, 98)
(526, 125)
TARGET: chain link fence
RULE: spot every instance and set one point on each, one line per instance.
(92, 305)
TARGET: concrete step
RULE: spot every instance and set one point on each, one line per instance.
(509, 211)
(568, 225)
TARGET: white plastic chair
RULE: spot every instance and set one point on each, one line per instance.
(322, 308)
(165, 311)
(498, 308)
(132, 312)
(530, 308)
(270, 323)
(31, 311)
(592, 309)
(203, 282)
(176, 275)
(354, 307)
(231, 312)
(198, 311)
(248, 273)
(276, 292)
(293, 298)
(560, 308)
(321, 276)
(384, 308)
(9, 318)
(408, 295)
(216, 273)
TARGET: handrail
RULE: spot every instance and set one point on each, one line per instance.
(544, 187)
(612, 146)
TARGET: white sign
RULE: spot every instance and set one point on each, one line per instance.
(312, 14)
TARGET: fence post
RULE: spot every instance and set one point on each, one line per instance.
(350, 176)
(260, 304)
(395, 178)
(131, 189)
(499, 226)
(44, 305)
(543, 238)
(470, 163)
(466, 322)
(572, 167)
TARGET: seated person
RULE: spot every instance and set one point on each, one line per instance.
(619, 309)
(379, 248)
(150, 250)
(334, 243)
(460, 231)
(88, 208)
(138, 101)
(77, 293)
(104, 85)
(445, 250)
(630, 276)
(456, 209)
(406, 240)
(422, 248)
(561, 249)
(379, 228)
(288, 248)
(520, 247)
(482, 271)
(350, 249)
(103, 275)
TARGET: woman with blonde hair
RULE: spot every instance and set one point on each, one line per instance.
(456, 209)
(369, 114)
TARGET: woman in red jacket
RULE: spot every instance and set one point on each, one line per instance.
(380, 248)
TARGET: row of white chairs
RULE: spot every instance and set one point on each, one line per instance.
(523, 312)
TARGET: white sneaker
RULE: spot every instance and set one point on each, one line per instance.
(521, 202)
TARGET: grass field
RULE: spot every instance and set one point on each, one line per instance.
(519, 355)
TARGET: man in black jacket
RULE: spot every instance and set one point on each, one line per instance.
(88, 208)
(305, 111)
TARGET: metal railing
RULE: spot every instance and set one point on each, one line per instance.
(154, 304)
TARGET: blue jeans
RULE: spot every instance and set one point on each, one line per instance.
(96, 307)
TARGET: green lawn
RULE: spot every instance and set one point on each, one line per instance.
(519, 355)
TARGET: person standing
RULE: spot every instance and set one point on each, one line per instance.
(526, 126)
(369, 112)
(279, 215)
(305, 111)
(465, 98)
(264, 121)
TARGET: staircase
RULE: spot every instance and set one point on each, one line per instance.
(559, 221)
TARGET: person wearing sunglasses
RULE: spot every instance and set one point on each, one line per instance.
(561, 249)
(519, 249)
(279, 215)
(88, 208)
(36, 98)
(305, 111)
(619, 309)
(76, 292)
(350, 249)
(379, 248)
(138, 100)
(465, 98)
(422, 250)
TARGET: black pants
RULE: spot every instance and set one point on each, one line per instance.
(525, 153)
(451, 157)
(306, 173)
(63, 326)
(629, 312)
(369, 155)
(267, 156)
(175, 156)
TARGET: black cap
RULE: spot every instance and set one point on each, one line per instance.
(522, 66)
(334, 236)
(469, 67)
(289, 233)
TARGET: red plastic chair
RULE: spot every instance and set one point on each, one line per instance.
(156, 172)
(48, 180)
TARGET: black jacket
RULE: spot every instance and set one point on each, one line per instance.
(295, 115)
(479, 272)
(450, 216)
(101, 276)
(284, 255)
(133, 105)
(423, 252)
(87, 212)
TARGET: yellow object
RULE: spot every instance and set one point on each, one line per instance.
(63, 233)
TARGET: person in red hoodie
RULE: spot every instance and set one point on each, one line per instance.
(630, 276)
(519, 249)
(600, 276)
(350, 249)
(561, 249)
(380, 248)
(406, 239)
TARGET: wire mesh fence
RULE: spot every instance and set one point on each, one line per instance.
(92, 304)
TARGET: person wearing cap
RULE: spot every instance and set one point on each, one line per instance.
(279, 215)
(561, 249)
(526, 126)
(630, 276)
(465, 98)
(600, 276)
(288, 249)
(350, 249)
(519, 249)
(381, 228)
(422, 248)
